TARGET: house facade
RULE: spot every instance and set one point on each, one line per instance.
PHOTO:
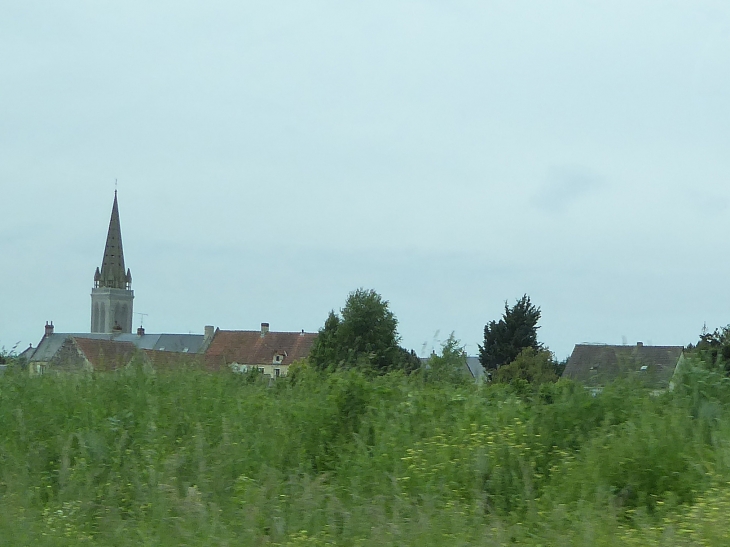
(270, 352)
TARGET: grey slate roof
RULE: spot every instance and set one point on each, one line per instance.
(181, 343)
(475, 367)
(27, 353)
(596, 365)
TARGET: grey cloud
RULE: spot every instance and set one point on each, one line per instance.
(564, 186)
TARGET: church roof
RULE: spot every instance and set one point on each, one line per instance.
(113, 274)
(181, 343)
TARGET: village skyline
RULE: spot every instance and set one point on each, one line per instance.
(424, 349)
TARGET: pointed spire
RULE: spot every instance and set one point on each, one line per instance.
(113, 273)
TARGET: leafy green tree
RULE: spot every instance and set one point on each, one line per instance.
(406, 360)
(325, 350)
(8, 357)
(505, 339)
(450, 365)
(531, 365)
(368, 328)
(714, 348)
(364, 336)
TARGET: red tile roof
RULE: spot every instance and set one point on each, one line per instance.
(250, 348)
(106, 355)
(170, 360)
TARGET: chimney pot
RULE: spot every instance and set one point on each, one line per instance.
(639, 344)
(140, 331)
(49, 328)
(264, 329)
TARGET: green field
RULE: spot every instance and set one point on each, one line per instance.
(190, 458)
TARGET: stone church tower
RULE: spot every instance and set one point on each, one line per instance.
(112, 295)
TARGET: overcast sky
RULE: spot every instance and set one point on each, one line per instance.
(274, 156)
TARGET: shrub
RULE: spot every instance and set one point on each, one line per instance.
(531, 365)
(448, 366)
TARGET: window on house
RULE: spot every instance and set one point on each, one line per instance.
(277, 372)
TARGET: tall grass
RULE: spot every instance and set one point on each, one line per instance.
(189, 458)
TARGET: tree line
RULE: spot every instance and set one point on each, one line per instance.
(364, 335)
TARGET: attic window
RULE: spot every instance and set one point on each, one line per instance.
(644, 367)
(277, 358)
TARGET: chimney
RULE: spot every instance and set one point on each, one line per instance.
(302, 333)
(49, 328)
(639, 344)
(208, 333)
(264, 329)
(140, 331)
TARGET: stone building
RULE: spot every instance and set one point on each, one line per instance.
(58, 351)
(111, 344)
(112, 296)
(270, 352)
(90, 355)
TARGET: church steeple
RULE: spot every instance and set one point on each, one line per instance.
(112, 296)
(113, 274)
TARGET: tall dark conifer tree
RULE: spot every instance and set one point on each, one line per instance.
(517, 330)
